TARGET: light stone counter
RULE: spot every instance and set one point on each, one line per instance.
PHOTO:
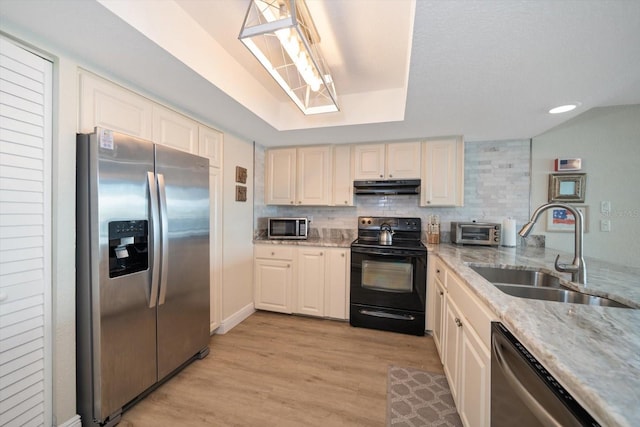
(592, 351)
(312, 241)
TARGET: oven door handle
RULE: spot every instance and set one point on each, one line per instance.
(498, 343)
(383, 314)
(375, 252)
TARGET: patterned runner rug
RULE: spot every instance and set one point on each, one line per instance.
(418, 398)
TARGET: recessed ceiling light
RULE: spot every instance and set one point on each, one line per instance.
(564, 108)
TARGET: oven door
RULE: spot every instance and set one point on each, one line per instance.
(393, 279)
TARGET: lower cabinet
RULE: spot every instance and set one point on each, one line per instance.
(463, 336)
(273, 278)
(302, 279)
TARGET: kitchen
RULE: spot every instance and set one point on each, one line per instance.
(237, 269)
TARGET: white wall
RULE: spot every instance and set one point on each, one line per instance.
(237, 217)
(607, 139)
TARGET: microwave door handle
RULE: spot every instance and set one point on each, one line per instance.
(529, 400)
(152, 293)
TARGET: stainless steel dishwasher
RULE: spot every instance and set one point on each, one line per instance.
(523, 393)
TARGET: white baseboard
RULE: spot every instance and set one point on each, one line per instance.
(72, 422)
(235, 319)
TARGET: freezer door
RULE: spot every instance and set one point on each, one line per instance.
(183, 303)
(122, 320)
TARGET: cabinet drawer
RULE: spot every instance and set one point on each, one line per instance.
(476, 315)
(274, 252)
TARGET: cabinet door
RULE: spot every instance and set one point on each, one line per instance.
(310, 283)
(439, 310)
(369, 161)
(174, 130)
(108, 105)
(210, 145)
(336, 296)
(273, 279)
(475, 389)
(280, 176)
(215, 251)
(443, 173)
(313, 175)
(403, 160)
(342, 176)
(451, 342)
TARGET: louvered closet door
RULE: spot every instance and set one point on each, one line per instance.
(25, 237)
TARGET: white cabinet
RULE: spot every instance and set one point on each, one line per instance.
(399, 160)
(313, 186)
(108, 105)
(215, 247)
(280, 176)
(210, 145)
(311, 281)
(438, 306)
(336, 285)
(175, 130)
(302, 279)
(298, 176)
(342, 194)
(442, 172)
(465, 342)
(273, 277)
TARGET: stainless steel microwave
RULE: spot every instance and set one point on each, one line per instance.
(475, 233)
(287, 228)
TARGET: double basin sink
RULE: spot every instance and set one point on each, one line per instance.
(539, 285)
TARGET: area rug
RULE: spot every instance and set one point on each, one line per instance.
(418, 398)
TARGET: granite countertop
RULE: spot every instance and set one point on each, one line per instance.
(330, 242)
(592, 351)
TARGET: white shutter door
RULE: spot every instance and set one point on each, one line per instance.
(25, 237)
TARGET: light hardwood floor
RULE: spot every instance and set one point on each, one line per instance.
(281, 370)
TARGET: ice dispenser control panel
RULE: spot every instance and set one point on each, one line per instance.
(128, 247)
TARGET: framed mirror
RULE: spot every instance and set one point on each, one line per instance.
(565, 187)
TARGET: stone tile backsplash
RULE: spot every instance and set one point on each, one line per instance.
(497, 186)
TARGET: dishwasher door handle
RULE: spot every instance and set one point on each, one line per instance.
(502, 350)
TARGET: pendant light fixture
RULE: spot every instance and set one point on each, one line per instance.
(282, 36)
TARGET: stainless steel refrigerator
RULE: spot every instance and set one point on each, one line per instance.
(142, 286)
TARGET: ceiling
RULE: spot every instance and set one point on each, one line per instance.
(488, 70)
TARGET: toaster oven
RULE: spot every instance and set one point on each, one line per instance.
(475, 233)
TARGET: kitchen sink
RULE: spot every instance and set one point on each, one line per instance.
(518, 277)
(557, 294)
(534, 284)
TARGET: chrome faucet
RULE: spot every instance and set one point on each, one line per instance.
(578, 269)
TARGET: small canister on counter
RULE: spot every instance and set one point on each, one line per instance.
(433, 230)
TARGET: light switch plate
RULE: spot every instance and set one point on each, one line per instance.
(605, 225)
(605, 207)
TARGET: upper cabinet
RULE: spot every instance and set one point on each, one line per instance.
(342, 194)
(175, 130)
(399, 160)
(210, 145)
(110, 106)
(442, 172)
(298, 176)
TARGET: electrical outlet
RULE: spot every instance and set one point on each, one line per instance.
(605, 207)
(605, 225)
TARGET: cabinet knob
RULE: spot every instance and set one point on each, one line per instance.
(458, 322)
(441, 293)
(428, 202)
(438, 271)
(291, 202)
(346, 202)
(288, 265)
(273, 253)
(299, 202)
(390, 176)
(381, 176)
(342, 255)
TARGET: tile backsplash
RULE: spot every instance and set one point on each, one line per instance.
(496, 182)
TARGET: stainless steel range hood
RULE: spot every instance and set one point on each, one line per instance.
(387, 187)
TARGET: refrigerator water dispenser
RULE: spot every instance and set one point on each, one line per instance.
(128, 247)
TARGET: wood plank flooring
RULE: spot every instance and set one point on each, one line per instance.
(281, 370)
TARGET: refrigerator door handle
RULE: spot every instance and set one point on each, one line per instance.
(155, 235)
(165, 239)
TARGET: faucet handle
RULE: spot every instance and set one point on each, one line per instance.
(564, 268)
